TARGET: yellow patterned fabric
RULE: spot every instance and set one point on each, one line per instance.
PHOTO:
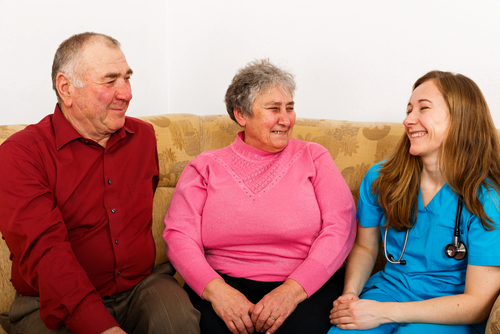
(7, 130)
(354, 146)
(493, 325)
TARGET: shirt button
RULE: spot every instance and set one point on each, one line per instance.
(109, 182)
(86, 142)
(116, 241)
(113, 210)
(119, 272)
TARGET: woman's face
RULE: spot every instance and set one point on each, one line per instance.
(427, 121)
(272, 123)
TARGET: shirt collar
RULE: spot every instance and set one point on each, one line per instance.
(65, 132)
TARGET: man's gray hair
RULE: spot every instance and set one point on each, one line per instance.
(67, 59)
(252, 80)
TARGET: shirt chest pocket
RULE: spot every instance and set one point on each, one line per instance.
(442, 234)
(142, 202)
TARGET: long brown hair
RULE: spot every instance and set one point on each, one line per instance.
(470, 156)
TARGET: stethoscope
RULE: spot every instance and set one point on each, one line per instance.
(456, 250)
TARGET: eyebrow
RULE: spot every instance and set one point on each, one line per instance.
(113, 75)
(279, 103)
(420, 101)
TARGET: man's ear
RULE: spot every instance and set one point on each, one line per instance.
(64, 89)
(240, 117)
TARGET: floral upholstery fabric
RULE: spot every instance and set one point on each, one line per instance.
(354, 146)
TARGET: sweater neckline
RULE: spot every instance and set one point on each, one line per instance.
(256, 171)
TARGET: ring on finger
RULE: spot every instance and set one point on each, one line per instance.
(272, 318)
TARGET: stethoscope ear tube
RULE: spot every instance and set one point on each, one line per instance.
(457, 249)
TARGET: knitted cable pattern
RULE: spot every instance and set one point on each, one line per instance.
(255, 168)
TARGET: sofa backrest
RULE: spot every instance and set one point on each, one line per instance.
(354, 146)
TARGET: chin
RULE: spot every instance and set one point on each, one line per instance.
(118, 123)
(413, 151)
(279, 148)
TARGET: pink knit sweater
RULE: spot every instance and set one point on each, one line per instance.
(261, 216)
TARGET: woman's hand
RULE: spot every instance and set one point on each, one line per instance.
(347, 296)
(350, 312)
(230, 305)
(272, 310)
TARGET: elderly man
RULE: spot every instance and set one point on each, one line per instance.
(76, 196)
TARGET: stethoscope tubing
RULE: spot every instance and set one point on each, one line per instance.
(457, 220)
(456, 250)
(390, 258)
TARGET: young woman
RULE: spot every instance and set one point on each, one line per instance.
(435, 205)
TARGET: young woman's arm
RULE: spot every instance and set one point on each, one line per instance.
(482, 286)
(360, 262)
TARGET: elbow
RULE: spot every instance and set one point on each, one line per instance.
(482, 315)
(487, 308)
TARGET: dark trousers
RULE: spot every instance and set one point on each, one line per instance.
(158, 305)
(311, 316)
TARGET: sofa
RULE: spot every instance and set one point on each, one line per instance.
(354, 146)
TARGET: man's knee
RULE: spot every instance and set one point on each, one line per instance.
(165, 304)
(33, 324)
(24, 317)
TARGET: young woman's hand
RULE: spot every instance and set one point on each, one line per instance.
(357, 313)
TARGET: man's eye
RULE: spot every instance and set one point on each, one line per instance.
(408, 112)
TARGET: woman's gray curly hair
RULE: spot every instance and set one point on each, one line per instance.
(251, 80)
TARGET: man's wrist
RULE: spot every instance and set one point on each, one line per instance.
(93, 308)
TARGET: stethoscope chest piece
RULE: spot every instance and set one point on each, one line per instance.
(456, 251)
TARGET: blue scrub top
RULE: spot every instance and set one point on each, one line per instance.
(428, 272)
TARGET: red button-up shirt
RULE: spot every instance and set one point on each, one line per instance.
(77, 217)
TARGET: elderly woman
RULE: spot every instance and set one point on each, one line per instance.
(259, 230)
(435, 203)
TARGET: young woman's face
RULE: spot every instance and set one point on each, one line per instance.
(427, 120)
